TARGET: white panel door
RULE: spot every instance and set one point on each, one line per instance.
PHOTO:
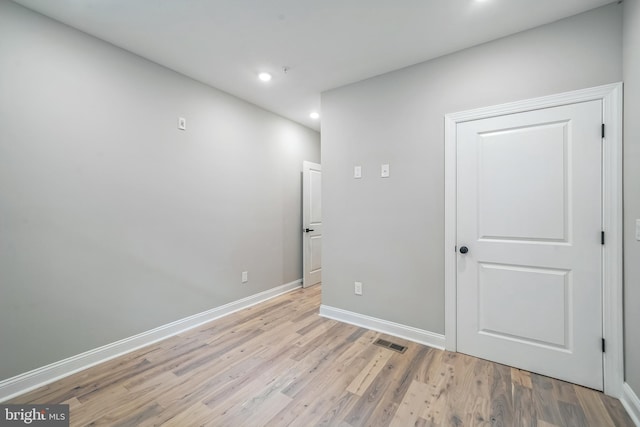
(529, 270)
(312, 223)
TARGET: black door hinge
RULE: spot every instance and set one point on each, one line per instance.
(602, 238)
(603, 345)
(603, 130)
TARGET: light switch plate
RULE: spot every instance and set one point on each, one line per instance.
(357, 288)
(384, 171)
(637, 229)
(182, 123)
(357, 171)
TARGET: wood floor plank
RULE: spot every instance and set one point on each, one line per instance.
(338, 411)
(118, 397)
(565, 392)
(267, 410)
(128, 417)
(332, 337)
(246, 401)
(279, 363)
(192, 415)
(190, 389)
(462, 379)
(409, 410)
(421, 422)
(363, 409)
(360, 383)
(315, 400)
(320, 357)
(572, 415)
(416, 357)
(524, 412)
(406, 369)
(219, 348)
(477, 412)
(616, 410)
(595, 411)
(543, 423)
(501, 392)
(439, 378)
(522, 378)
(544, 400)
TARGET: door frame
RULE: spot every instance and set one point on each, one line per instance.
(307, 166)
(612, 320)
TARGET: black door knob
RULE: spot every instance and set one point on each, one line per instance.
(306, 230)
(464, 249)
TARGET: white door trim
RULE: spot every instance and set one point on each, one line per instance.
(309, 279)
(611, 96)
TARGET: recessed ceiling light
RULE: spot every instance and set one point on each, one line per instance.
(265, 77)
(314, 115)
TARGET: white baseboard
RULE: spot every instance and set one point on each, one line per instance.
(396, 329)
(631, 403)
(39, 377)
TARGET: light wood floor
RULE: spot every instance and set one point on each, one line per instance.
(280, 364)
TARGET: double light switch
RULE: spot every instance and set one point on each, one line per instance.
(384, 171)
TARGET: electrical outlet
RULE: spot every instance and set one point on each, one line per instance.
(357, 288)
(245, 276)
(182, 123)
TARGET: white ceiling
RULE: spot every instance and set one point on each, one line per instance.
(324, 43)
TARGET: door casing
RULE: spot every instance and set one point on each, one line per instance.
(611, 97)
(310, 277)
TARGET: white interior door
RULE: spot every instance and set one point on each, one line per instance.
(529, 221)
(312, 223)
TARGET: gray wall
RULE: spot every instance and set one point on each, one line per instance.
(113, 222)
(389, 233)
(632, 191)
